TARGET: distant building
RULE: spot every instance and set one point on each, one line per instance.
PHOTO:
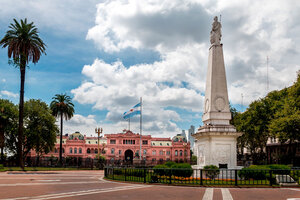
(191, 139)
(123, 146)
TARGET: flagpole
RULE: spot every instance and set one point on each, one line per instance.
(129, 123)
(141, 129)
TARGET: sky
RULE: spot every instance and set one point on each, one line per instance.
(108, 54)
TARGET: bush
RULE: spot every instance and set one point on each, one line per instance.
(182, 170)
(261, 172)
(1, 166)
(211, 171)
(171, 168)
(161, 170)
(135, 172)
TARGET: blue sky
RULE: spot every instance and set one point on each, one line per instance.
(108, 54)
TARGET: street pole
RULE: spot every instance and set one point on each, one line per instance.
(141, 121)
(98, 131)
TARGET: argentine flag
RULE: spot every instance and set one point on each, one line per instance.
(135, 110)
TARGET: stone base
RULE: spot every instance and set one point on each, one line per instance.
(216, 144)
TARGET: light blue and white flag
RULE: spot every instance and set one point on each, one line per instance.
(135, 110)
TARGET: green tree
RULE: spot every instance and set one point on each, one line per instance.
(62, 106)
(24, 45)
(8, 122)
(40, 131)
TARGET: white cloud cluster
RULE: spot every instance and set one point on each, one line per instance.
(179, 31)
(9, 94)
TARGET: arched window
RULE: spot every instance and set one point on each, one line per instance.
(71, 150)
(176, 153)
(180, 152)
(55, 150)
(96, 151)
(145, 151)
(88, 151)
(63, 150)
(185, 152)
(153, 152)
(112, 151)
(80, 150)
(75, 150)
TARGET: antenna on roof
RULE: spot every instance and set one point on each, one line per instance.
(220, 18)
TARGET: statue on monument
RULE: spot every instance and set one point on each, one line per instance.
(215, 33)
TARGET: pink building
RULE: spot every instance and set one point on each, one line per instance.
(124, 146)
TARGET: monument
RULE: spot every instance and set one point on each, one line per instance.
(216, 140)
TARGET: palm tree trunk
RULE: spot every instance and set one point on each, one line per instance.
(21, 112)
(60, 144)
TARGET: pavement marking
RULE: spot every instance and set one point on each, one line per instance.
(78, 193)
(45, 180)
(60, 183)
(208, 195)
(226, 194)
(293, 199)
(291, 189)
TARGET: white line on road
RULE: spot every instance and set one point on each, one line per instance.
(50, 183)
(79, 193)
(226, 194)
(208, 195)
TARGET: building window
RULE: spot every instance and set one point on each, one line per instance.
(168, 144)
(71, 150)
(55, 150)
(112, 151)
(160, 144)
(180, 152)
(80, 150)
(153, 152)
(153, 159)
(96, 151)
(75, 150)
(89, 142)
(153, 144)
(161, 153)
(185, 152)
(176, 153)
(63, 150)
(96, 142)
(120, 152)
(145, 142)
(63, 141)
(145, 152)
(88, 151)
(168, 152)
(112, 141)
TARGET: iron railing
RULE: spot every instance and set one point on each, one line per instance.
(204, 177)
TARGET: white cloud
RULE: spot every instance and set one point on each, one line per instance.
(179, 31)
(9, 94)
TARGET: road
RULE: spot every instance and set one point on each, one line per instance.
(89, 185)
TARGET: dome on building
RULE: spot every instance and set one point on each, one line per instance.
(77, 135)
(179, 138)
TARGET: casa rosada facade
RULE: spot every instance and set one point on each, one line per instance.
(123, 146)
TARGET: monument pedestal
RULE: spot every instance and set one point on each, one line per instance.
(216, 145)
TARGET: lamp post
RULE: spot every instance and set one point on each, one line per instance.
(98, 131)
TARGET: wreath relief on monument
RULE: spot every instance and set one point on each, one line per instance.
(201, 154)
(206, 105)
(219, 103)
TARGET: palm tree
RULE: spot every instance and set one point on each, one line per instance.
(24, 45)
(62, 106)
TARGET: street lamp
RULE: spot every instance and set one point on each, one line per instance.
(98, 131)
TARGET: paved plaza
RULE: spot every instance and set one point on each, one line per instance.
(90, 185)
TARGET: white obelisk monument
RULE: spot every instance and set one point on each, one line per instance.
(216, 139)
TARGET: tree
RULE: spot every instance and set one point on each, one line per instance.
(62, 106)
(40, 131)
(24, 45)
(8, 122)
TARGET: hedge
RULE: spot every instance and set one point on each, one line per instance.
(175, 169)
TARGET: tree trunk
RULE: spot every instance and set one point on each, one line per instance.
(2, 144)
(21, 112)
(60, 144)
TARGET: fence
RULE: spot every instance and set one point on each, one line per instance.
(201, 177)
